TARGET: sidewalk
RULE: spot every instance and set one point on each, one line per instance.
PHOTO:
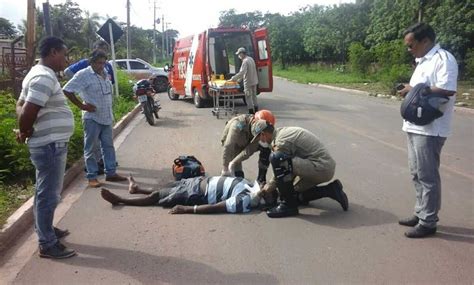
(22, 219)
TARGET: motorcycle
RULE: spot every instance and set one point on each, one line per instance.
(145, 93)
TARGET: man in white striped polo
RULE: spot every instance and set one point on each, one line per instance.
(198, 195)
(46, 124)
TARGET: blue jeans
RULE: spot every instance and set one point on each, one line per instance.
(93, 134)
(50, 163)
(424, 160)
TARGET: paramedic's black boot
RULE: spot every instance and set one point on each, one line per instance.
(251, 111)
(288, 202)
(286, 208)
(239, 173)
(339, 195)
(333, 190)
(314, 193)
(256, 109)
(283, 170)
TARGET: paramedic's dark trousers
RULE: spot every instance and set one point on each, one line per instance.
(424, 160)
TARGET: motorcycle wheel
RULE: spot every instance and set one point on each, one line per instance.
(148, 113)
(160, 84)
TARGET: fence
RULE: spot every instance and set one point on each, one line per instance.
(14, 65)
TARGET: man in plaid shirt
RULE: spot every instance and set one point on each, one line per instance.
(95, 88)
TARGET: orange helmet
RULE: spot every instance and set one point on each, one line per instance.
(265, 115)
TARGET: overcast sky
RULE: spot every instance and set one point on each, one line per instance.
(186, 16)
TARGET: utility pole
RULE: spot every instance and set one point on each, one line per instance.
(420, 11)
(155, 21)
(47, 19)
(129, 45)
(168, 39)
(30, 32)
(162, 36)
(154, 32)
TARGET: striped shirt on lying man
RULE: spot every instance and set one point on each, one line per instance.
(232, 190)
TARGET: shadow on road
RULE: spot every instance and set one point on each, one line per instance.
(357, 216)
(150, 269)
(169, 122)
(455, 234)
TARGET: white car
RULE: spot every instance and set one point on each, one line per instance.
(140, 69)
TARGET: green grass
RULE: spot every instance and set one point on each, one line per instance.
(318, 74)
(314, 73)
(12, 197)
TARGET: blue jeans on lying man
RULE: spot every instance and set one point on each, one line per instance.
(50, 163)
(95, 133)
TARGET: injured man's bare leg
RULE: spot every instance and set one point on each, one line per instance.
(148, 200)
(133, 187)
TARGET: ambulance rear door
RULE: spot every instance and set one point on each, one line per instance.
(263, 60)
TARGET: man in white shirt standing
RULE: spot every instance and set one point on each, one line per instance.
(248, 73)
(46, 124)
(438, 69)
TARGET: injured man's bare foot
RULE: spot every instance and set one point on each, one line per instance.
(109, 196)
(132, 185)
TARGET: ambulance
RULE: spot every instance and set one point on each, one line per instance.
(210, 55)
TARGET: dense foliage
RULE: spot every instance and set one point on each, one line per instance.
(7, 29)
(367, 33)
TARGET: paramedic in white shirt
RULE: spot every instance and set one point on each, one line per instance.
(248, 74)
(438, 69)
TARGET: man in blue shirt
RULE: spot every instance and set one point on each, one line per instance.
(83, 63)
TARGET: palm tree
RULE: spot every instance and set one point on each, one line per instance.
(90, 26)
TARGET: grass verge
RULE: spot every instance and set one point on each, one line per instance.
(316, 74)
(12, 197)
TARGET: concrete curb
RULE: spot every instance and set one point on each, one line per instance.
(22, 218)
(462, 110)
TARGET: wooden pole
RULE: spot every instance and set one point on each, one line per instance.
(129, 43)
(30, 33)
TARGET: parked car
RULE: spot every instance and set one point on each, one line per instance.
(140, 69)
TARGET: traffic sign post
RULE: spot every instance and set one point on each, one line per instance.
(111, 32)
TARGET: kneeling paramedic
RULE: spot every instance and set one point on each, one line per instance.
(300, 163)
(238, 145)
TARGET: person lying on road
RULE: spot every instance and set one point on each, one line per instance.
(198, 195)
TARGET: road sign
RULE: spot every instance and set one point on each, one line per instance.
(103, 32)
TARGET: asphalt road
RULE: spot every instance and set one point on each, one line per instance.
(130, 245)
